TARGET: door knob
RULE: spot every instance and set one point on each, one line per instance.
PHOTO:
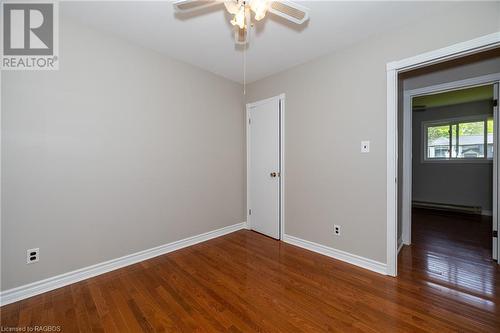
(273, 174)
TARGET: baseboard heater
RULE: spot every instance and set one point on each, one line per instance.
(447, 207)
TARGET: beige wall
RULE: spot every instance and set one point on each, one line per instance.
(119, 151)
(332, 104)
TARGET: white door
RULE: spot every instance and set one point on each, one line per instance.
(263, 144)
(496, 175)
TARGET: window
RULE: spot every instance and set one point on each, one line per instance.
(459, 139)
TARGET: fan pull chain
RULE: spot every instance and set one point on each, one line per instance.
(245, 54)
(245, 69)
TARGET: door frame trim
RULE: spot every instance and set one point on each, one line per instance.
(393, 69)
(489, 79)
(281, 99)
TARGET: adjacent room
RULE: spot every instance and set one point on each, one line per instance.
(452, 188)
(249, 166)
(454, 178)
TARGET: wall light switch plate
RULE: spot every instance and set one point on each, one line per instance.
(365, 146)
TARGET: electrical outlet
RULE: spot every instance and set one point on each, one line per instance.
(336, 230)
(365, 146)
(32, 255)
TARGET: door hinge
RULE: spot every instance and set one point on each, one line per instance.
(495, 102)
(495, 233)
(249, 121)
(249, 212)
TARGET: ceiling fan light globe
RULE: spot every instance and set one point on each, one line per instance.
(232, 6)
(259, 7)
(259, 16)
(239, 19)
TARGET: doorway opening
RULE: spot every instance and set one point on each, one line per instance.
(451, 204)
(449, 161)
(448, 166)
(464, 53)
(452, 155)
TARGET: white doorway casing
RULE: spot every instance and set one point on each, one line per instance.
(393, 69)
(265, 155)
(496, 171)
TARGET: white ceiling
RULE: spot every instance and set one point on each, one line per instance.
(206, 39)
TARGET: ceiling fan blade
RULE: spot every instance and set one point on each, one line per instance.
(186, 6)
(289, 10)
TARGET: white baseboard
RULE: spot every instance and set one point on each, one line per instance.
(350, 258)
(400, 245)
(42, 286)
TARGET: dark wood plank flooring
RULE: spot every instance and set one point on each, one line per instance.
(246, 282)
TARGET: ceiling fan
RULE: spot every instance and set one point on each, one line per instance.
(242, 12)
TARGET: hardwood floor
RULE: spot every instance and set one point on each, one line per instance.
(452, 253)
(246, 282)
